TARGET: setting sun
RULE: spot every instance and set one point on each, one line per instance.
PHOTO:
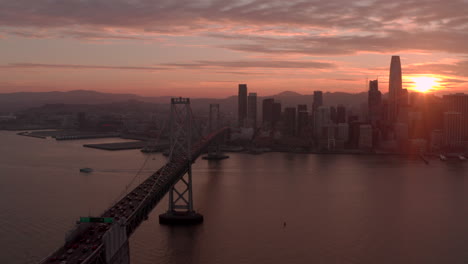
(424, 83)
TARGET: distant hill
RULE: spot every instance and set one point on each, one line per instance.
(11, 102)
(25, 100)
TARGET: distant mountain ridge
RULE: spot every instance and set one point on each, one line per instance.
(11, 102)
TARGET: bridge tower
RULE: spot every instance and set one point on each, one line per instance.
(214, 151)
(180, 209)
(214, 118)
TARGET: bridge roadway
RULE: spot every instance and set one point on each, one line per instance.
(131, 210)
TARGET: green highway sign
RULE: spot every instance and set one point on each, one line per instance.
(96, 220)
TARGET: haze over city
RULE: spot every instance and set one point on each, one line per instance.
(251, 131)
(205, 48)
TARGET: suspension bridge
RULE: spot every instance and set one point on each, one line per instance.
(104, 239)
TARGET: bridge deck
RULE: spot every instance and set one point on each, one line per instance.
(131, 210)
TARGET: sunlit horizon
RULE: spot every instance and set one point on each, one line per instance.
(206, 48)
(425, 84)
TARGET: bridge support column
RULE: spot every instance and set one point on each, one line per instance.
(116, 246)
(180, 210)
(214, 151)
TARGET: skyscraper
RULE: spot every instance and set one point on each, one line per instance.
(252, 109)
(321, 122)
(453, 129)
(302, 119)
(365, 136)
(333, 115)
(267, 112)
(290, 121)
(394, 89)
(341, 114)
(318, 100)
(242, 104)
(276, 114)
(301, 108)
(374, 102)
(458, 103)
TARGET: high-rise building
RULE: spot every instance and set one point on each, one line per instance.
(82, 120)
(321, 122)
(395, 86)
(365, 136)
(290, 121)
(242, 104)
(318, 100)
(374, 102)
(341, 114)
(343, 132)
(452, 129)
(401, 132)
(276, 115)
(437, 140)
(252, 110)
(267, 112)
(458, 103)
(301, 108)
(354, 131)
(302, 120)
(333, 115)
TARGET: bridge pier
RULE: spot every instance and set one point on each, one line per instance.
(180, 210)
(214, 151)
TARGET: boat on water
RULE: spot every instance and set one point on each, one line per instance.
(86, 170)
(442, 157)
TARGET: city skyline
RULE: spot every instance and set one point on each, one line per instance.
(204, 48)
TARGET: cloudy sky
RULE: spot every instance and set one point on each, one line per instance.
(204, 48)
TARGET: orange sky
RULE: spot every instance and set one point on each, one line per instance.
(205, 48)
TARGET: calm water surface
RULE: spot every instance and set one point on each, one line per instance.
(337, 208)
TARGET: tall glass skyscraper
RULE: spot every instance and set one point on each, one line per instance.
(394, 89)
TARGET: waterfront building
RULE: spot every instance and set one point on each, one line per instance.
(401, 131)
(333, 115)
(452, 129)
(437, 140)
(242, 104)
(267, 112)
(321, 122)
(302, 120)
(318, 100)
(365, 136)
(290, 121)
(458, 103)
(252, 110)
(341, 114)
(276, 113)
(374, 102)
